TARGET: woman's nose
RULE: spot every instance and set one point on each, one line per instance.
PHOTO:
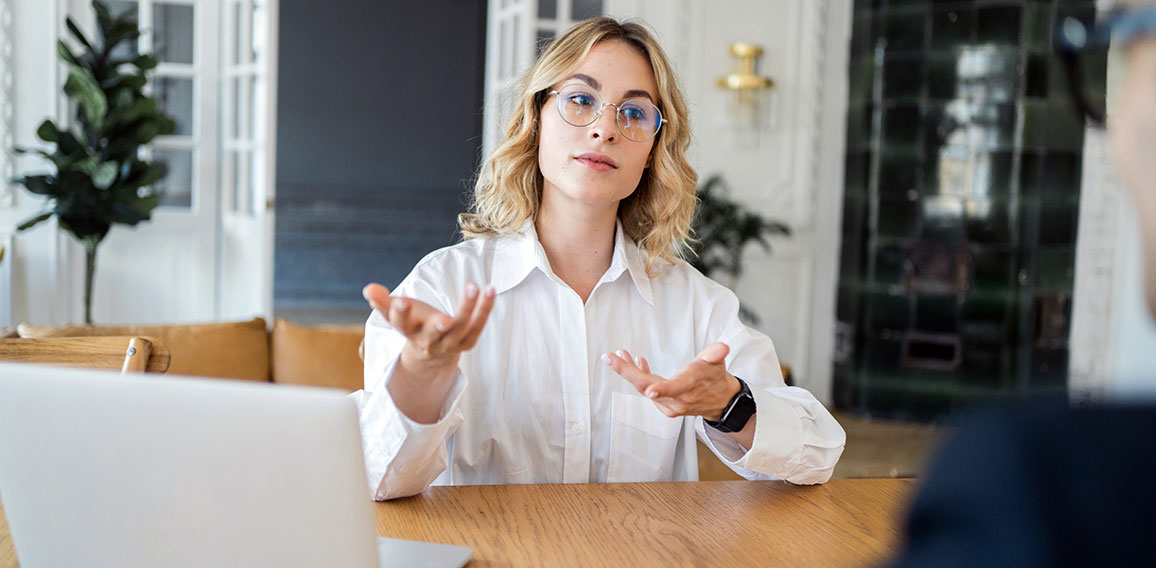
(606, 126)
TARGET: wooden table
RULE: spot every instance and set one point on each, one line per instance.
(847, 522)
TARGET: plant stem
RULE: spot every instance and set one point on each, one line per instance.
(90, 245)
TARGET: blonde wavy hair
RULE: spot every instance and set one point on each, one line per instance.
(657, 215)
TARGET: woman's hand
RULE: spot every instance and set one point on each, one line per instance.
(434, 344)
(701, 388)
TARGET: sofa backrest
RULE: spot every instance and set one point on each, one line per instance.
(232, 350)
(323, 356)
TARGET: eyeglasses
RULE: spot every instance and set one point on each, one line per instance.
(638, 119)
(1081, 46)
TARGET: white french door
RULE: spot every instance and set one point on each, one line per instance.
(207, 252)
(248, 166)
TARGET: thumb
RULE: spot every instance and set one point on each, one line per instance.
(714, 353)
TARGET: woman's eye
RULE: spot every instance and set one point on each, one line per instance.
(582, 99)
(635, 113)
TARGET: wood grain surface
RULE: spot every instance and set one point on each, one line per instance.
(845, 522)
(850, 522)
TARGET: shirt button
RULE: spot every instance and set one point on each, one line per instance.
(576, 429)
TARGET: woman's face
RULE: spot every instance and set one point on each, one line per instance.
(596, 165)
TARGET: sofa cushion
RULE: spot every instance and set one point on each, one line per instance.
(233, 350)
(323, 356)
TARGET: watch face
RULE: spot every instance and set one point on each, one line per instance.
(740, 413)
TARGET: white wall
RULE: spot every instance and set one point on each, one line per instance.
(36, 254)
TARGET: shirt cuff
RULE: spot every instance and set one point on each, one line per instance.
(777, 443)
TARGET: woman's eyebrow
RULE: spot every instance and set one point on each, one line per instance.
(598, 87)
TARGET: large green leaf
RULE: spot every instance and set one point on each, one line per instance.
(65, 54)
(47, 131)
(104, 175)
(67, 144)
(79, 35)
(121, 30)
(82, 86)
(40, 185)
(33, 221)
(103, 17)
(145, 62)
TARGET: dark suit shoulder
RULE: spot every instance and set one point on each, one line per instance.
(1038, 485)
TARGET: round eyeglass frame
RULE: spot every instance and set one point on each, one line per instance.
(617, 116)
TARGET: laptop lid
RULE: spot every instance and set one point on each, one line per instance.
(99, 469)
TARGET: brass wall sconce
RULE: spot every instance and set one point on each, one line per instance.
(749, 102)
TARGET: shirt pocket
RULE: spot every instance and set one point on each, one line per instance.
(643, 440)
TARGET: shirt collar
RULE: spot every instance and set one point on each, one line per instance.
(518, 255)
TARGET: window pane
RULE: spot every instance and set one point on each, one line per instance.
(238, 25)
(548, 9)
(544, 39)
(257, 35)
(175, 97)
(582, 9)
(243, 184)
(173, 33)
(176, 189)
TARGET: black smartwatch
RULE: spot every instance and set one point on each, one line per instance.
(737, 413)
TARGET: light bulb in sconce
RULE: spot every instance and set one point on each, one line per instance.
(749, 95)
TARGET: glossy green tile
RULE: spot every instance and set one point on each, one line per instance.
(901, 126)
(890, 266)
(998, 24)
(904, 78)
(989, 318)
(860, 79)
(900, 174)
(943, 219)
(984, 364)
(1061, 175)
(1057, 222)
(905, 31)
(1055, 269)
(1049, 368)
(992, 270)
(1036, 76)
(889, 312)
(989, 221)
(898, 218)
(937, 313)
(952, 27)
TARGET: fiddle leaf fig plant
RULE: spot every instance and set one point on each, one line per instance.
(98, 177)
(722, 229)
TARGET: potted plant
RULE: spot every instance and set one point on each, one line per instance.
(723, 229)
(99, 178)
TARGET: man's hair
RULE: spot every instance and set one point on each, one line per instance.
(657, 215)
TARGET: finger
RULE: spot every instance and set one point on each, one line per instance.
(715, 353)
(377, 296)
(478, 320)
(642, 364)
(673, 388)
(620, 362)
(401, 318)
(458, 327)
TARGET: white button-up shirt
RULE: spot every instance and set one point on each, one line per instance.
(533, 402)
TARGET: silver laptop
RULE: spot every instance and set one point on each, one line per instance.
(99, 469)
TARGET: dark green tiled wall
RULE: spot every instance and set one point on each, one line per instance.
(960, 208)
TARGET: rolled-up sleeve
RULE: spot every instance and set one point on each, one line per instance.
(402, 457)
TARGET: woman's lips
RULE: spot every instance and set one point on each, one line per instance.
(597, 162)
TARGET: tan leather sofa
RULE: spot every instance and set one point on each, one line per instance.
(324, 356)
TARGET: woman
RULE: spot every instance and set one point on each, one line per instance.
(573, 233)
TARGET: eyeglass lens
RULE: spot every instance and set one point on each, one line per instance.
(638, 119)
